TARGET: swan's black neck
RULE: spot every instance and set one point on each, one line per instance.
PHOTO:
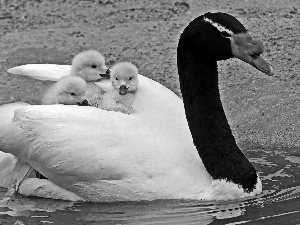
(207, 121)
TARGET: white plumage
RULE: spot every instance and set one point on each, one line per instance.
(106, 156)
(97, 155)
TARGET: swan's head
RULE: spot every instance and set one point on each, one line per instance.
(220, 36)
(124, 77)
(70, 90)
(89, 65)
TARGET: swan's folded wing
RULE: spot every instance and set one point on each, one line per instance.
(51, 72)
(70, 144)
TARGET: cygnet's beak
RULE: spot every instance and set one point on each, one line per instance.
(123, 90)
(106, 75)
(83, 103)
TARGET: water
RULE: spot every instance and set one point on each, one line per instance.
(278, 204)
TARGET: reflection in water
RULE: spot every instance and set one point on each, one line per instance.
(156, 212)
(171, 212)
(278, 203)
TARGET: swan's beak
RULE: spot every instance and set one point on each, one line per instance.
(83, 103)
(106, 75)
(249, 51)
(259, 63)
(123, 90)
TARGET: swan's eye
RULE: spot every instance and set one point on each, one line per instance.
(73, 94)
(117, 78)
(225, 34)
(93, 66)
(130, 78)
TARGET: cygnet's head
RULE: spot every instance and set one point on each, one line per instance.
(89, 65)
(70, 90)
(124, 77)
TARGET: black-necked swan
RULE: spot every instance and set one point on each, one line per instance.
(153, 153)
(69, 90)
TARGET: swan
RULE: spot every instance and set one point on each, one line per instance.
(69, 90)
(166, 149)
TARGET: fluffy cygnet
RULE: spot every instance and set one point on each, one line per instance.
(68, 90)
(124, 79)
(89, 65)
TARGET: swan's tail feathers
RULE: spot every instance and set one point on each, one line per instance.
(21, 172)
(7, 164)
(46, 189)
(52, 72)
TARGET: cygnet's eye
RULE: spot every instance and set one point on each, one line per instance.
(117, 78)
(72, 93)
(93, 66)
(225, 34)
(130, 78)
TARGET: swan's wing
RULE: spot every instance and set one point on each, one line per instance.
(46, 189)
(99, 155)
(51, 72)
(70, 144)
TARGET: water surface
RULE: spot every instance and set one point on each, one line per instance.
(279, 202)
